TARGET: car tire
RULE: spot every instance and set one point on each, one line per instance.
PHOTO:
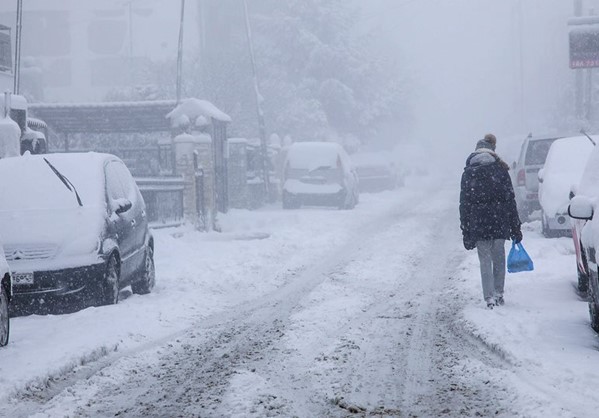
(4, 318)
(110, 286)
(594, 303)
(583, 278)
(148, 277)
(352, 203)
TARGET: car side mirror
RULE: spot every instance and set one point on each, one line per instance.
(581, 208)
(122, 206)
(540, 175)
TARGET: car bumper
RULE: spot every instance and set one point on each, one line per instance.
(319, 199)
(560, 223)
(58, 283)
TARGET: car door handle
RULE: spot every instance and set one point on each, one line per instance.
(133, 222)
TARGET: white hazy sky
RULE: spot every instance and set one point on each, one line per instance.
(463, 57)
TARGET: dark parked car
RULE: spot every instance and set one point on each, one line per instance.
(74, 227)
(376, 172)
(5, 296)
(583, 208)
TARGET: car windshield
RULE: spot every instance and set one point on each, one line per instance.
(537, 151)
(328, 173)
(27, 183)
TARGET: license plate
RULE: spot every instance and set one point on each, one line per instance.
(22, 278)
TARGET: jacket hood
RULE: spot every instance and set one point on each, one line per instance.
(483, 157)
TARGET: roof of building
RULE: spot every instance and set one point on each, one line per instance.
(105, 117)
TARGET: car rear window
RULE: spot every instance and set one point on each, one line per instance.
(537, 151)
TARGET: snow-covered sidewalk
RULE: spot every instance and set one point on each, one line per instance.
(542, 331)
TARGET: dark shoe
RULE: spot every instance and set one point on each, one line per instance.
(500, 301)
(490, 303)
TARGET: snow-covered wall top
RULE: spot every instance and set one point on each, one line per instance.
(195, 108)
(10, 137)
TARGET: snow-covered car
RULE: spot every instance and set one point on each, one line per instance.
(525, 171)
(319, 174)
(74, 228)
(376, 172)
(5, 297)
(563, 169)
(583, 209)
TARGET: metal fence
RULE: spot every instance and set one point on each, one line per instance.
(164, 200)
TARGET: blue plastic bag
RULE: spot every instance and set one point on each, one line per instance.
(518, 259)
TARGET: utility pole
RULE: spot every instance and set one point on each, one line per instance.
(523, 110)
(259, 100)
(18, 34)
(180, 53)
(130, 29)
(589, 88)
(579, 94)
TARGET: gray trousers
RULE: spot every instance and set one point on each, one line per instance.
(492, 266)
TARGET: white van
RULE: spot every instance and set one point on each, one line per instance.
(319, 174)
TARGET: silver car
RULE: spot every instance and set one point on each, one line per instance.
(319, 174)
(525, 174)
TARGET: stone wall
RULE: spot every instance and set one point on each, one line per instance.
(193, 152)
(237, 173)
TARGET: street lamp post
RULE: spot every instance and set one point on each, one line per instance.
(180, 53)
(259, 99)
(17, 76)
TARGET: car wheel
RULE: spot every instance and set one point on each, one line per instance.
(594, 303)
(583, 278)
(4, 319)
(352, 203)
(148, 276)
(111, 282)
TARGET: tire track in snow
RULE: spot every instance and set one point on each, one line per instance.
(399, 372)
(228, 338)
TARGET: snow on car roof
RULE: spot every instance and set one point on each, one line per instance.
(563, 168)
(311, 155)
(589, 182)
(27, 182)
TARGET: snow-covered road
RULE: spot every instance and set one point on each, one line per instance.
(370, 312)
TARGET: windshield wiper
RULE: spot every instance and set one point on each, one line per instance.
(65, 181)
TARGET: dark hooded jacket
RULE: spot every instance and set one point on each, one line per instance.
(487, 203)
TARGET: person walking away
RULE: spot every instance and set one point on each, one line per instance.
(488, 215)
